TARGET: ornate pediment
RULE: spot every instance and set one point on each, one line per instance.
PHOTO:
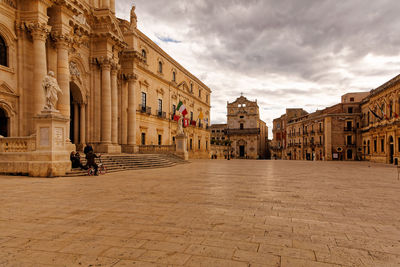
(160, 91)
(5, 88)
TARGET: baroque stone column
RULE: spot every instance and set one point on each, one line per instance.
(124, 117)
(39, 33)
(76, 123)
(114, 104)
(105, 102)
(63, 74)
(131, 110)
(83, 124)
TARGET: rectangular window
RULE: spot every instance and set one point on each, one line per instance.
(320, 140)
(350, 109)
(199, 92)
(173, 109)
(382, 145)
(375, 146)
(190, 144)
(206, 98)
(159, 105)
(369, 148)
(173, 139)
(191, 115)
(349, 125)
(143, 139)
(143, 100)
(159, 139)
(398, 144)
(199, 144)
(241, 126)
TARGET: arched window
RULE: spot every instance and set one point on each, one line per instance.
(3, 52)
(160, 67)
(174, 76)
(144, 55)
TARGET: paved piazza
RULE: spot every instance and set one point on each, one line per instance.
(207, 213)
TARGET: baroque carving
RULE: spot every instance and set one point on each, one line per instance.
(74, 71)
(38, 30)
(51, 90)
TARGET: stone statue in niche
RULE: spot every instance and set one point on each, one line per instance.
(51, 90)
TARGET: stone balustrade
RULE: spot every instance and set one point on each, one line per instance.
(157, 149)
(18, 144)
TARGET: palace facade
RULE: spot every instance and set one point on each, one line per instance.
(328, 134)
(120, 90)
(381, 123)
(364, 126)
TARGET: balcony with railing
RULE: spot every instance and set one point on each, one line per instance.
(350, 144)
(145, 109)
(349, 129)
(239, 131)
(161, 114)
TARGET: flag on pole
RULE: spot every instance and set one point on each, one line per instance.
(181, 108)
(382, 111)
(176, 117)
(186, 122)
(376, 115)
(201, 116)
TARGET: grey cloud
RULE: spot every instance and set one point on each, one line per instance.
(287, 36)
(303, 40)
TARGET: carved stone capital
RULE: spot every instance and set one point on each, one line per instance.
(38, 30)
(105, 62)
(131, 77)
(61, 40)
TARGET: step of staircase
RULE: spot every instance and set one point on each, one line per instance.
(123, 162)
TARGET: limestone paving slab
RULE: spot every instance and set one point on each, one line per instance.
(206, 213)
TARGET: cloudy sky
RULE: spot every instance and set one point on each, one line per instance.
(286, 53)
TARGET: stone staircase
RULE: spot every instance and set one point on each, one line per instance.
(124, 162)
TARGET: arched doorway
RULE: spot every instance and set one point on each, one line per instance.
(78, 114)
(241, 144)
(4, 123)
(391, 149)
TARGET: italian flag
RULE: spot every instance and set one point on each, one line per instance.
(181, 108)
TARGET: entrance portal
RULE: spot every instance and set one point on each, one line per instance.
(349, 154)
(391, 149)
(4, 123)
(76, 101)
(241, 151)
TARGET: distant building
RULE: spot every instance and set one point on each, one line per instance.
(245, 133)
(329, 134)
(278, 143)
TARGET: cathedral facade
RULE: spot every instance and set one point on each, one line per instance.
(119, 89)
(245, 135)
